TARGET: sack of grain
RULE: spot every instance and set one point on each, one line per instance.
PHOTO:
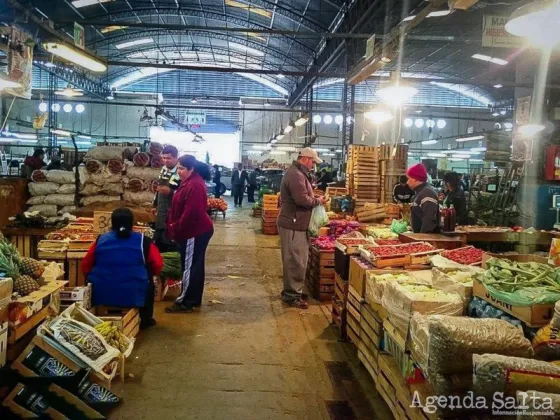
(60, 199)
(93, 166)
(157, 162)
(136, 185)
(67, 209)
(155, 148)
(39, 176)
(112, 189)
(86, 201)
(105, 153)
(46, 210)
(90, 189)
(115, 166)
(61, 177)
(141, 159)
(38, 199)
(145, 174)
(67, 189)
(496, 373)
(129, 153)
(144, 197)
(438, 339)
(43, 188)
(104, 177)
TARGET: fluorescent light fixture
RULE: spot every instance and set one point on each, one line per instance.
(83, 3)
(286, 148)
(273, 141)
(289, 128)
(55, 107)
(129, 44)
(456, 159)
(319, 150)
(317, 119)
(461, 156)
(478, 149)
(419, 123)
(327, 119)
(280, 136)
(194, 101)
(280, 76)
(503, 112)
(408, 122)
(338, 119)
(67, 108)
(494, 60)
(112, 28)
(476, 160)
(338, 150)
(439, 13)
(43, 107)
(256, 146)
(80, 108)
(60, 132)
(469, 138)
(301, 120)
(530, 129)
(378, 115)
(498, 86)
(110, 97)
(428, 142)
(328, 154)
(277, 152)
(254, 152)
(437, 155)
(29, 141)
(70, 92)
(83, 136)
(75, 56)
(24, 136)
(249, 7)
(396, 94)
(537, 22)
(441, 124)
(495, 114)
(408, 18)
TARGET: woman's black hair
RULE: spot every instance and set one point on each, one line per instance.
(451, 178)
(122, 221)
(190, 162)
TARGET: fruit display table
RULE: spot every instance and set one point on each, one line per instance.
(438, 240)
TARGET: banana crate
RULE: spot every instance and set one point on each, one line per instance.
(127, 320)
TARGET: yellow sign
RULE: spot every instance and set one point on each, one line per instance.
(101, 221)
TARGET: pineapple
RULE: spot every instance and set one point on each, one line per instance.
(23, 285)
(31, 267)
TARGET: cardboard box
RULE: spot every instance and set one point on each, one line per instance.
(357, 274)
(34, 302)
(534, 316)
(81, 294)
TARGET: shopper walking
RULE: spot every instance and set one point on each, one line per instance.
(168, 183)
(252, 185)
(217, 180)
(297, 203)
(121, 265)
(190, 226)
(425, 214)
(238, 179)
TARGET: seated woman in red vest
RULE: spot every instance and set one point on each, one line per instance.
(120, 265)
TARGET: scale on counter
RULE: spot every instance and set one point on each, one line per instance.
(556, 206)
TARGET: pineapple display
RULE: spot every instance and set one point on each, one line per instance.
(31, 267)
(24, 285)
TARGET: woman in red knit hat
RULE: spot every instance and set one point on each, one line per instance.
(425, 215)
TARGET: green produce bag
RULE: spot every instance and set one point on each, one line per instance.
(171, 266)
(399, 226)
(319, 219)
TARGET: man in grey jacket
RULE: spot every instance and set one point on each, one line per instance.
(297, 203)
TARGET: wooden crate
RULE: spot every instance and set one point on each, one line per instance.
(257, 212)
(127, 320)
(269, 228)
(336, 191)
(74, 269)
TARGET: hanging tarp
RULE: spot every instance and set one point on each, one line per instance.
(20, 62)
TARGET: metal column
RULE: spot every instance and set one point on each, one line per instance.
(53, 116)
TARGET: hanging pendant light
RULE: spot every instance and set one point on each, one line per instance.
(379, 115)
(537, 22)
(396, 92)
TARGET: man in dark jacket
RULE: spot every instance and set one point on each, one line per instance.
(252, 185)
(238, 179)
(297, 202)
(217, 180)
(425, 215)
(168, 183)
(402, 193)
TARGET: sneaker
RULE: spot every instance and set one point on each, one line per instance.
(299, 303)
(177, 308)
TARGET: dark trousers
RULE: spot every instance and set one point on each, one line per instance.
(193, 255)
(162, 243)
(251, 194)
(237, 191)
(147, 311)
(217, 191)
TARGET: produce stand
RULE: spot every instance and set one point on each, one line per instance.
(26, 240)
(438, 240)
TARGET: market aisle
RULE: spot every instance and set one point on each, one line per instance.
(244, 356)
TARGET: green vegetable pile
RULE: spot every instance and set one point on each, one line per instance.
(9, 258)
(522, 284)
(171, 266)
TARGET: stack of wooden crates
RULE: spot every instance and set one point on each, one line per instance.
(320, 273)
(270, 212)
(392, 167)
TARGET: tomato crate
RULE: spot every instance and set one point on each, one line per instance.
(475, 253)
(400, 255)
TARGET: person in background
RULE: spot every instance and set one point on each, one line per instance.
(33, 163)
(252, 185)
(55, 163)
(190, 226)
(238, 179)
(217, 180)
(425, 215)
(121, 265)
(297, 202)
(402, 193)
(168, 183)
(464, 182)
(324, 178)
(455, 196)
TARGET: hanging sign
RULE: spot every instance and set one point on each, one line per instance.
(195, 118)
(494, 33)
(79, 36)
(102, 221)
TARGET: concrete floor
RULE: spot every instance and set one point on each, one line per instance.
(248, 356)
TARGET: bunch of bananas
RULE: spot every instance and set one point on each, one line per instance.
(112, 335)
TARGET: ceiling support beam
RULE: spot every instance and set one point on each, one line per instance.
(264, 31)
